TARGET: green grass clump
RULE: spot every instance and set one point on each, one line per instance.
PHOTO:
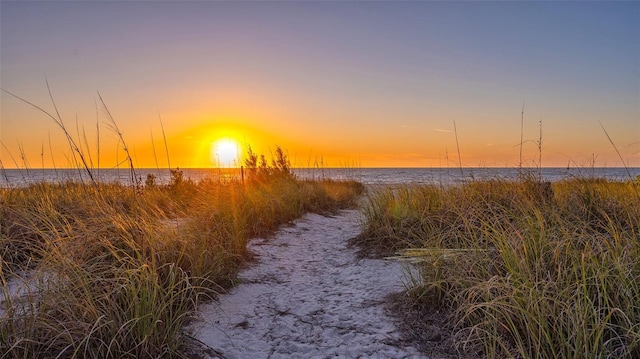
(110, 271)
(524, 269)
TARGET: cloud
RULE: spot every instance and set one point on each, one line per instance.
(441, 130)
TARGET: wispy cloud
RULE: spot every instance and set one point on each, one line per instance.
(441, 130)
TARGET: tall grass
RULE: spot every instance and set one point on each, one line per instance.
(97, 270)
(109, 271)
(523, 269)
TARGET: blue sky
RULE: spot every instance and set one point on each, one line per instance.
(372, 83)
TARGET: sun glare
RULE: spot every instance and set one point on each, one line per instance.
(224, 153)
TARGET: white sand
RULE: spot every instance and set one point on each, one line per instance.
(308, 296)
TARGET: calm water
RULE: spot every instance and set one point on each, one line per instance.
(21, 177)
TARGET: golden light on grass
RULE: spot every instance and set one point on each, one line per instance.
(225, 153)
(122, 273)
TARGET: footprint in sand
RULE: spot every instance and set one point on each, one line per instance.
(308, 295)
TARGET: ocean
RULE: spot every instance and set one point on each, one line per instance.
(369, 176)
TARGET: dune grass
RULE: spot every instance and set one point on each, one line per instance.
(523, 268)
(112, 271)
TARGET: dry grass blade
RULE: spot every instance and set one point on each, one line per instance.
(112, 272)
(525, 269)
(76, 150)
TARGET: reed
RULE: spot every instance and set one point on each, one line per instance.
(111, 271)
(522, 269)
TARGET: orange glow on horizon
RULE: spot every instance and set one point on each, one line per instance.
(222, 139)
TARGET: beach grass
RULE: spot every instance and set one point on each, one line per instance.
(519, 268)
(98, 270)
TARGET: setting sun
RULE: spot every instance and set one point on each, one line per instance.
(225, 153)
(239, 71)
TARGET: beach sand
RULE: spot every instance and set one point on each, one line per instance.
(308, 295)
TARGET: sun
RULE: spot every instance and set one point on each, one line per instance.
(225, 153)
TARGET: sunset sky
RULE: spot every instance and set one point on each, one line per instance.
(357, 84)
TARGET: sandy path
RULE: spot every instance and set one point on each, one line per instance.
(308, 296)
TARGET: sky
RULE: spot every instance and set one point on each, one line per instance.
(335, 84)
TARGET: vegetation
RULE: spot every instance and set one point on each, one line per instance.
(521, 269)
(112, 271)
